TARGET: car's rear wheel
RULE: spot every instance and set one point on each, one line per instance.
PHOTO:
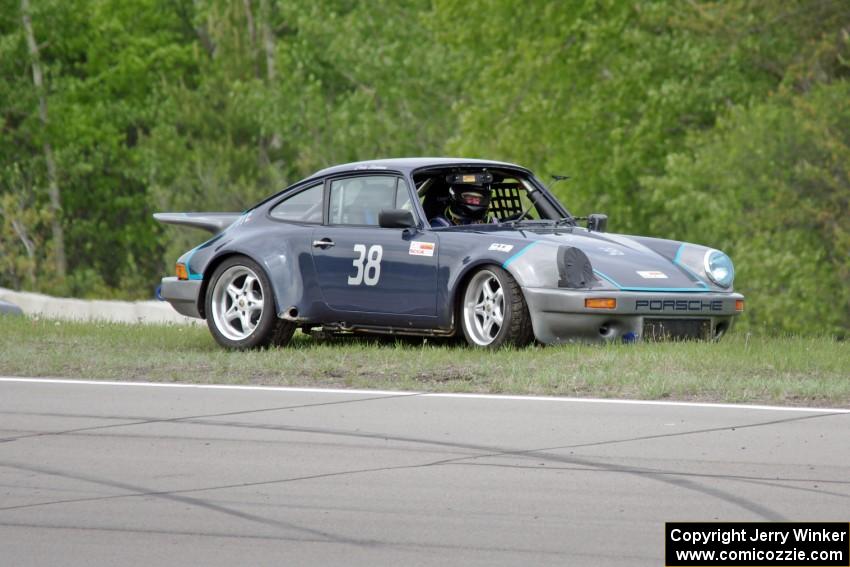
(493, 312)
(240, 307)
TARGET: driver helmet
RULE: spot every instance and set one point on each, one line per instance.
(469, 202)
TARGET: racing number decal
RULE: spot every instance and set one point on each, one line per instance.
(368, 265)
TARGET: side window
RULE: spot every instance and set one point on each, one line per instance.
(358, 200)
(304, 206)
(402, 196)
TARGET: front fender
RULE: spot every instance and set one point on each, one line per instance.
(686, 255)
(531, 264)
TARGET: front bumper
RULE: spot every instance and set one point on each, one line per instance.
(559, 316)
(182, 295)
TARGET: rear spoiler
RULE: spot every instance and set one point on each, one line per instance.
(212, 222)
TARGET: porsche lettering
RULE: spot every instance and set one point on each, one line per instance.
(678, 305)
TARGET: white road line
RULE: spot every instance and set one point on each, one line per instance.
(205, 386)
(419, 394)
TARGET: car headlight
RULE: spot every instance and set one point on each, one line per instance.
(719, 268)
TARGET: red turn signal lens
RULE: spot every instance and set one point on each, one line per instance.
(182, 274)
(600, 303)
(739, 305)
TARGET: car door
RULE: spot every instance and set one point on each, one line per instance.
(362, 268)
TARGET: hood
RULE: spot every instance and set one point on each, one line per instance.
(625, 263)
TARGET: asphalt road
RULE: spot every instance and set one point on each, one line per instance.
(148, 475)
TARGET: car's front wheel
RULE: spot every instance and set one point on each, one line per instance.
(240, 307)
(493, 312)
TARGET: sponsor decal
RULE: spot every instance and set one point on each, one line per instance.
(678, 305)
(652, 275)
(611, 251)
(422, 248)
(498, 247)
(368, 167)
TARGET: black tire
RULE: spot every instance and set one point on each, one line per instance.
(266, 329)
(515, 328)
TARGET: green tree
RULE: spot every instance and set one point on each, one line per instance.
(710, 121)
(771, 186)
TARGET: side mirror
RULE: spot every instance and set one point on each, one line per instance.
(597, 222)
(396, 218)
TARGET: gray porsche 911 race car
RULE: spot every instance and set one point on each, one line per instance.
(441, 247)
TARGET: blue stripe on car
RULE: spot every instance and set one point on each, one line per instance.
(207, 243)
(676, 261)
(518, 254)
(188, 260)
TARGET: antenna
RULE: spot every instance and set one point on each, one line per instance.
(557, 179)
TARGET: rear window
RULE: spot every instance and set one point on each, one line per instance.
(304, 206)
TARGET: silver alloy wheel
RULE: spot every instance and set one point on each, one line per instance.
(484, 308)
(237, 303)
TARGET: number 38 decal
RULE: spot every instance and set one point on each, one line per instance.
(368, 265)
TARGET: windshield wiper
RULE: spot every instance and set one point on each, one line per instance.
(567, 220)
(540, 223)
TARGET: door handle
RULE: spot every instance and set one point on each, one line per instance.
(323, 243)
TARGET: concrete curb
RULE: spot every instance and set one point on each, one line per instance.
(39, 305)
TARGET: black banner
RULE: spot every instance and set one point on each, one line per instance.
(757, 544)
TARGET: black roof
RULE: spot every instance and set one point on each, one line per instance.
(406, 165)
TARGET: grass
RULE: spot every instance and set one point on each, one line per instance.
(785, 370)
